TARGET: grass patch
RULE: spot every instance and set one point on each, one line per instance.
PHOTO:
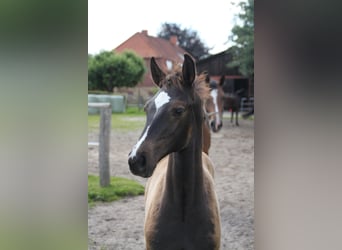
(132, 119)
(119, 187)
(135, 111)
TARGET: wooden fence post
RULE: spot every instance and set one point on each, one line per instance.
(104, 145)
(104, 141)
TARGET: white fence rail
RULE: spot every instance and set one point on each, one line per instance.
(104, 141)
(246, 105)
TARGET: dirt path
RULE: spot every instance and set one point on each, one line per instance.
(119, 225)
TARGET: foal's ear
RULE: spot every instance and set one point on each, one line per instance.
(188, 70)
(157, 74)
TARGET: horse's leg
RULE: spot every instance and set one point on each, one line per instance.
(231, 115)
(236, 117)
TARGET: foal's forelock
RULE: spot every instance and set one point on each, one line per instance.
(200, 88)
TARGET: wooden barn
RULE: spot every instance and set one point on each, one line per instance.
(216, 66)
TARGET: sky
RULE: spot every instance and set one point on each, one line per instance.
(111, 22)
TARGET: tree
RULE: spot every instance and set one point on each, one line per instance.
(91, 73)
(107, 70)
(243, 37)
(187, 39)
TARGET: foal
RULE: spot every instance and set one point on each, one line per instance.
(214, 106)
(181, 208)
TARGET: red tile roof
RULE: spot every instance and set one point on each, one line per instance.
(148, 46)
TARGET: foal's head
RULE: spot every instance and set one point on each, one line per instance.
(173, 115)
(214, 106)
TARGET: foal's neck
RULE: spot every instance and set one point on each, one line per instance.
(185, 173)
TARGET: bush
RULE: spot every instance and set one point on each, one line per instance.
(107, 70)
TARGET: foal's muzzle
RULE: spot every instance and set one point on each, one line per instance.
(137, 165)
(215, 127)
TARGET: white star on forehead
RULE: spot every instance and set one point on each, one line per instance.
(161, 99)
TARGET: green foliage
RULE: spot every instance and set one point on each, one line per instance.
(91, 73)
(119, 187)
(107, 70)
(243, 37)
(187, 39)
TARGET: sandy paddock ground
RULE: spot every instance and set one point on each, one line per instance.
(119, 225)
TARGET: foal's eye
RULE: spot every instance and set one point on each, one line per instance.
(179, 110)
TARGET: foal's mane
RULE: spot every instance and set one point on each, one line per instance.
(201, 88)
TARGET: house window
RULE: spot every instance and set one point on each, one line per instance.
(169, 64)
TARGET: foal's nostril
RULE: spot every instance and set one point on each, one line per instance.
(131, 161)
(142, 160)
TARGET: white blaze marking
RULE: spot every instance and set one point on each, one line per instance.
(161, 99)
(136, 146)
(213, 93)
